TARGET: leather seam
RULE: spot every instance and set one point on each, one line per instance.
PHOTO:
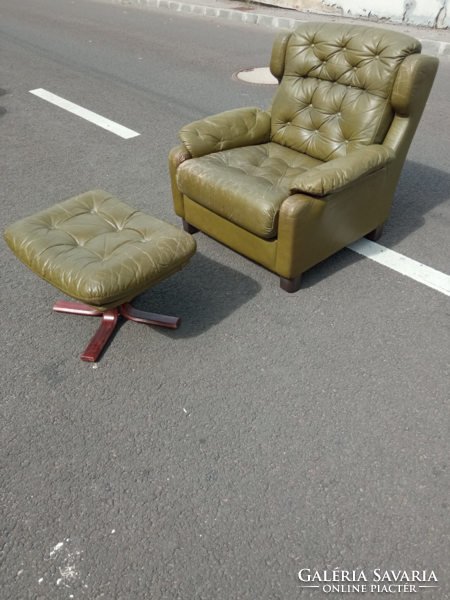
(380, 119)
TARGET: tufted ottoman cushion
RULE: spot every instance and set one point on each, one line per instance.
(99, 250)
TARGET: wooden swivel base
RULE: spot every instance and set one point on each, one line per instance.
(109, 322)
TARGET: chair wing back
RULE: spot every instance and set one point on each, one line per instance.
(336, 86)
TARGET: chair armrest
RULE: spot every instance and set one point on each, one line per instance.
(177, 156)
(342, 172)
(231, 129)
(310, 229)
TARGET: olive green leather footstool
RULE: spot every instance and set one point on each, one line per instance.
(101, 252)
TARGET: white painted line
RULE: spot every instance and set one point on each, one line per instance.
(120, 130)
(404, 265)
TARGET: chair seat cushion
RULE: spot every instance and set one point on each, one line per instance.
(245, 185)
(99, 250)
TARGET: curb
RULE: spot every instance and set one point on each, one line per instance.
(428, 46)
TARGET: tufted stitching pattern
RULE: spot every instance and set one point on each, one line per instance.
(96, 248)
(245, 185)
(335, 93)
(269, 164)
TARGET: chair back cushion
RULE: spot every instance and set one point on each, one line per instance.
(335, 93)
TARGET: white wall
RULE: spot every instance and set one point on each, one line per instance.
(430, 13)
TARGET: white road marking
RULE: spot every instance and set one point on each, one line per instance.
(404, 265)
(93, 117)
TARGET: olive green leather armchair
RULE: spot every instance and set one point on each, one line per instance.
(290, 186)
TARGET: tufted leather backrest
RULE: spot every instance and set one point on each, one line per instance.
(335, 93)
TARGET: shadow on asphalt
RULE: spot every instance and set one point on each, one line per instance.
(421, 188)
(203, 294)
(2, 109)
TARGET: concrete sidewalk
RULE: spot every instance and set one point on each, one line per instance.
(434, 41)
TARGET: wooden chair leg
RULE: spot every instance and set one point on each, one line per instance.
(76, 308)
(127, 311)
(189, 228)
(291, 285)
(101, 336)
(375, 234)
(109, 322)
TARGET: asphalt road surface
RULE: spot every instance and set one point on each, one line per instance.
(271, 432)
